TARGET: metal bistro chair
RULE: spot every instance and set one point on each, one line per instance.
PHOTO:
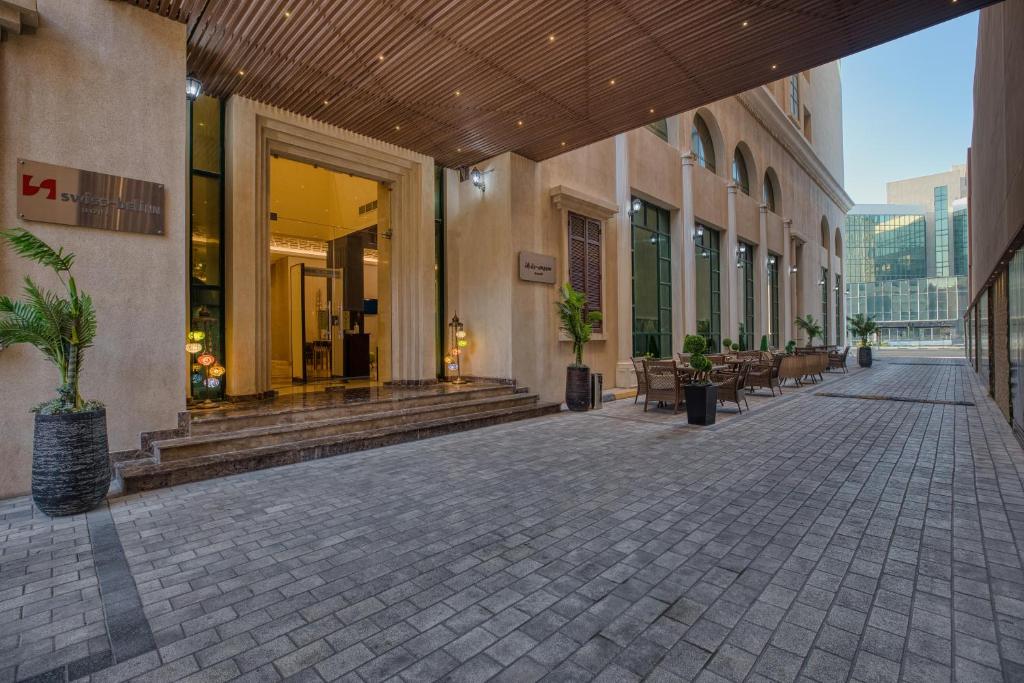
(663, 384)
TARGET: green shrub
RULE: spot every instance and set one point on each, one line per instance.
(696, 345)
(764, 342)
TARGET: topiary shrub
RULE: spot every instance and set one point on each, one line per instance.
(764, 342)
(790, 346)
(726, 344)
(695, 345)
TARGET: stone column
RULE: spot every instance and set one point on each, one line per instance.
(787, 281)
(689, 250)
(761, 276)
(624, 375)
(730, 290)
(830, 283)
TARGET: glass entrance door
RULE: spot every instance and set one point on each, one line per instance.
(316, 295)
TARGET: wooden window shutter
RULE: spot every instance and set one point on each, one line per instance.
(585, 261)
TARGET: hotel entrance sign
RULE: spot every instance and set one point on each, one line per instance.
(71, 196)
(536, 267)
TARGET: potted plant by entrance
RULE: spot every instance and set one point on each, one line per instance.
(811, 327)
(578, 324)
(701, 395)
(863, 326)
(70, 457)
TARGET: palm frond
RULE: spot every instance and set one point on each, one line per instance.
(31, 247)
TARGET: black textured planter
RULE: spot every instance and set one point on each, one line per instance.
(577, 388)
(701, 403)
(70, 462)
(864, 356)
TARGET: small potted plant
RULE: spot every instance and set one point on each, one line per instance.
(701, 395)
(578, 324)
(726, 345)
(863, 326)
(70, 457)
(791, 347)
(811, 327)
(764, 342)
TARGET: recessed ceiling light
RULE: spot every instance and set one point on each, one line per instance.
(774, 67)
(458, 92)
(380, 58)
(458, 149)
(551, 38)
(651, 110)
(287, 14)
(746, 24)
(398, 128)
(563, 143)
(611, 82)
(241, 72)
(326, 102)
(519, 122)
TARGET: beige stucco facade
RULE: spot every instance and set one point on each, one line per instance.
(524, 208)
(76, 93)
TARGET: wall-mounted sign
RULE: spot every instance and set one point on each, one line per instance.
(71, 196)
(536, 267)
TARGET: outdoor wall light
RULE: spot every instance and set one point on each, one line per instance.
(193, 88)
(771, 260)
(704, 253)
(476, 176)
(792, 269)
(635, 206)
(698, 232)
(821, 283)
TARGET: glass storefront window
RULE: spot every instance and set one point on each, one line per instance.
(206, 135)
(745, 260)
(652, 282)
(709, 287)
(773, 302)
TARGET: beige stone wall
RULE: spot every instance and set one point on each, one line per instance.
(997, 144)
(100, 87)
(512, 324)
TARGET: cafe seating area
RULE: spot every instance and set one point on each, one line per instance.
(738, 375)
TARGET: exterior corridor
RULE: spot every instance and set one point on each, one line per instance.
(869, 529)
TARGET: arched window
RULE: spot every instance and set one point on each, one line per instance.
(769, 193)
(702, 144)
(739, 171)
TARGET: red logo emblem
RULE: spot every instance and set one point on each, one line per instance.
(28, 189)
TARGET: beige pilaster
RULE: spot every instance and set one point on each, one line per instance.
(729, 281)
(689, 250)
(830, 289)
(761, 275)
(787, 280)
(624, 375)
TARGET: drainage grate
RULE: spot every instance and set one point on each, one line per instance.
(901, 399)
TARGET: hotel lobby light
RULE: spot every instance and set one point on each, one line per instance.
(193, 88)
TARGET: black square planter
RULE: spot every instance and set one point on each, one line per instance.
(701, 403)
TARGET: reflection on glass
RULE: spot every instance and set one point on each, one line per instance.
(206, 230)
(206, 148)
(652, 282)
(709, 300)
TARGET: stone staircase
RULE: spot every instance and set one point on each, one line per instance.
(220, 442)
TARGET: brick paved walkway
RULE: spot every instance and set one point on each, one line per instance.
(824, 539)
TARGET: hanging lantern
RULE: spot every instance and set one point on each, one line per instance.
(454, 352)
(217, 370)
(453, 367)
(197, 378)
(212, 382)
(193, 347)
(206, 359)
(461, 334)
(196, 367)
(448, 360)
(196, 336)
(462, 343)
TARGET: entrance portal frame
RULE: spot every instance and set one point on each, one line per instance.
(254, 132)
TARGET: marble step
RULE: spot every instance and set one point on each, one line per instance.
(180, 448)
(328, 405)
(142, 475)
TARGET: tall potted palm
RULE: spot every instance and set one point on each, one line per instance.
(863, 326)
(70, 457)
(811, 327)
(578, 324)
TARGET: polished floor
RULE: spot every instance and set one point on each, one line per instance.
(869, 529)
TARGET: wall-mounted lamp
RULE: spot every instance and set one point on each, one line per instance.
(771, 260)
(821, 283)
(635, 206)
(704, 253)
(193, 88)
(476, 176)
(698, 232)
(792, 269)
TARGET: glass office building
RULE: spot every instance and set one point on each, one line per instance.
(897, 265)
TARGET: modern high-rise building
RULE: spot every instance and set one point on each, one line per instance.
(906, 261)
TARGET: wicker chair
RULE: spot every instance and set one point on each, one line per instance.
(731, 386)
(641, 378)
(664, 384)
(837, 361)
(766, 375)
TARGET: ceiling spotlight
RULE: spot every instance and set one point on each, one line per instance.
(398, 128)
(551, 38)
(380, 58)
(241, 72)
(746, 24)
(611, 82)
(774, 67)
(519, 123)
(193, 88)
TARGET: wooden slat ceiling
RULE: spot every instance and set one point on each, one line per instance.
(463, 80)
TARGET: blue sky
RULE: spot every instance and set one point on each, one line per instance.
(907, 107)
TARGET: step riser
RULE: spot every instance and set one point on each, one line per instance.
(275, 458)
(186, 450)
(220, 425)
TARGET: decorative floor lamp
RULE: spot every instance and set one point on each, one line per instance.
(459, 343)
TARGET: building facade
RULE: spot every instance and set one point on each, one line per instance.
(995, 319)
(294, 251)
(906, 262)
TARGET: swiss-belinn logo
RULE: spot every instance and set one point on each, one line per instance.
(48, 184)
